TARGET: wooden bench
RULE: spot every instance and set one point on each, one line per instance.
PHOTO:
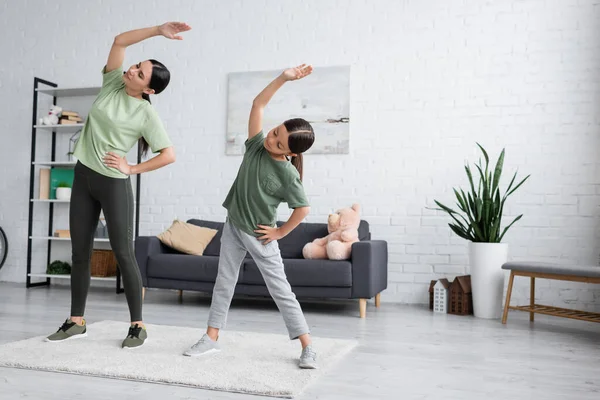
(550, 271)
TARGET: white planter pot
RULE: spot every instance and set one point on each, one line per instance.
(63, 193)
(487, 278)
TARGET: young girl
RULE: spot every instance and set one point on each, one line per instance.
(265, 179)
(120, 116)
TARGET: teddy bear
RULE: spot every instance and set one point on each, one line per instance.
(52, 117)
(343, 231)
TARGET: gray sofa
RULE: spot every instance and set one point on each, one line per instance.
(362, 277)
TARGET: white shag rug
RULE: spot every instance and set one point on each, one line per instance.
(253, 363)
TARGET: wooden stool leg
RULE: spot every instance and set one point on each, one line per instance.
(180, 296)
(377, 300)
(508, 293)
(143, 293)
(532, 298)
(363, 307)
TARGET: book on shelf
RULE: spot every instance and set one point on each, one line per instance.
(44, 183)
(58, 176)
(67, 122)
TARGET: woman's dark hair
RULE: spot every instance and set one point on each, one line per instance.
(302, 137)
(158, 82)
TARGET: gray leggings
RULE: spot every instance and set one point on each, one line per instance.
(234, 244)
(92, 192)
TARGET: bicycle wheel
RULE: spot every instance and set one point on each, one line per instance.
(3, 247)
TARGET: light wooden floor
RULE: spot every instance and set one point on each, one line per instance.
(405, 352)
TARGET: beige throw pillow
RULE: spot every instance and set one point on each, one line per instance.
(187, 238)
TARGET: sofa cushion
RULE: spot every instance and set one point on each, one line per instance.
(214, 246)
(301, 272)
(183, 267)
(187, 238)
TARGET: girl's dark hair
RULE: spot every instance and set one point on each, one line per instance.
(158, 82)
(302, 137)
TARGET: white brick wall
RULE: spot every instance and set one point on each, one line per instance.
(428, 80)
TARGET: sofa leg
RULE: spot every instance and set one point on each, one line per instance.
(363, 307)
(143, 293)
(377, 300)
(180, 292)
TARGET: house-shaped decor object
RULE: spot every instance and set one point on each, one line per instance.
(441, 296)
(461, 298)
(431, 285)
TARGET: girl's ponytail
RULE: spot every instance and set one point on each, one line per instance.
(298, 163)
(301, 138)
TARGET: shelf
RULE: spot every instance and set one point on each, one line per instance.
(65, 276)
(99, 240)
(50, 201)
(71, 92)
(55, 163)
(60, 128)
(57, 201)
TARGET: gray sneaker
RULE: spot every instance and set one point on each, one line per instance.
(68, 330)
(203, 347)
(136, 337)
(308, 358)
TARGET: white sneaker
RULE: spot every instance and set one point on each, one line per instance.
(202, 347)
(308, 358)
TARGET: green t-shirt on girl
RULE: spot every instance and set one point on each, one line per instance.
(115, 123)
(261, 185)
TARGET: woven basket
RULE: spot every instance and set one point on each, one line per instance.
(104, 263)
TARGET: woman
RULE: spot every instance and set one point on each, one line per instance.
(120, 117)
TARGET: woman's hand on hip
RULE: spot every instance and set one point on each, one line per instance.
(113, 160)
(170, 30)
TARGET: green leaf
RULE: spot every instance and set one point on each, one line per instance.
(516, 187)
(485, 155)
(461, 201)
(505, 229)
(498, 171)
(460, 232)
(470, 176)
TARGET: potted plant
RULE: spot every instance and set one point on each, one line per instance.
(479, 221)
(63, 191)
(57, 267)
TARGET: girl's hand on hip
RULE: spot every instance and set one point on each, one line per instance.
(269, 233)
(112, 160)
(170, 30)
(299, 72)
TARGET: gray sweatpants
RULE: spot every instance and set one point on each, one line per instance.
(234, 244)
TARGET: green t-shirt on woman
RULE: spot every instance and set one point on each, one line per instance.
(115, 123)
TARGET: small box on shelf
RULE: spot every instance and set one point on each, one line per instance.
(62, 233)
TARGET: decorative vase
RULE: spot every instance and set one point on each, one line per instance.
(63, 193)
(487, 277)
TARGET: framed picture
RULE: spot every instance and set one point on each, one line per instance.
(322, 98)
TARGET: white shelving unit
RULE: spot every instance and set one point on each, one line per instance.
(70, 92)
(97, 240)
(55, 163)
(72, 128)
(49, 201)
(51, 89)
(64, 276)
